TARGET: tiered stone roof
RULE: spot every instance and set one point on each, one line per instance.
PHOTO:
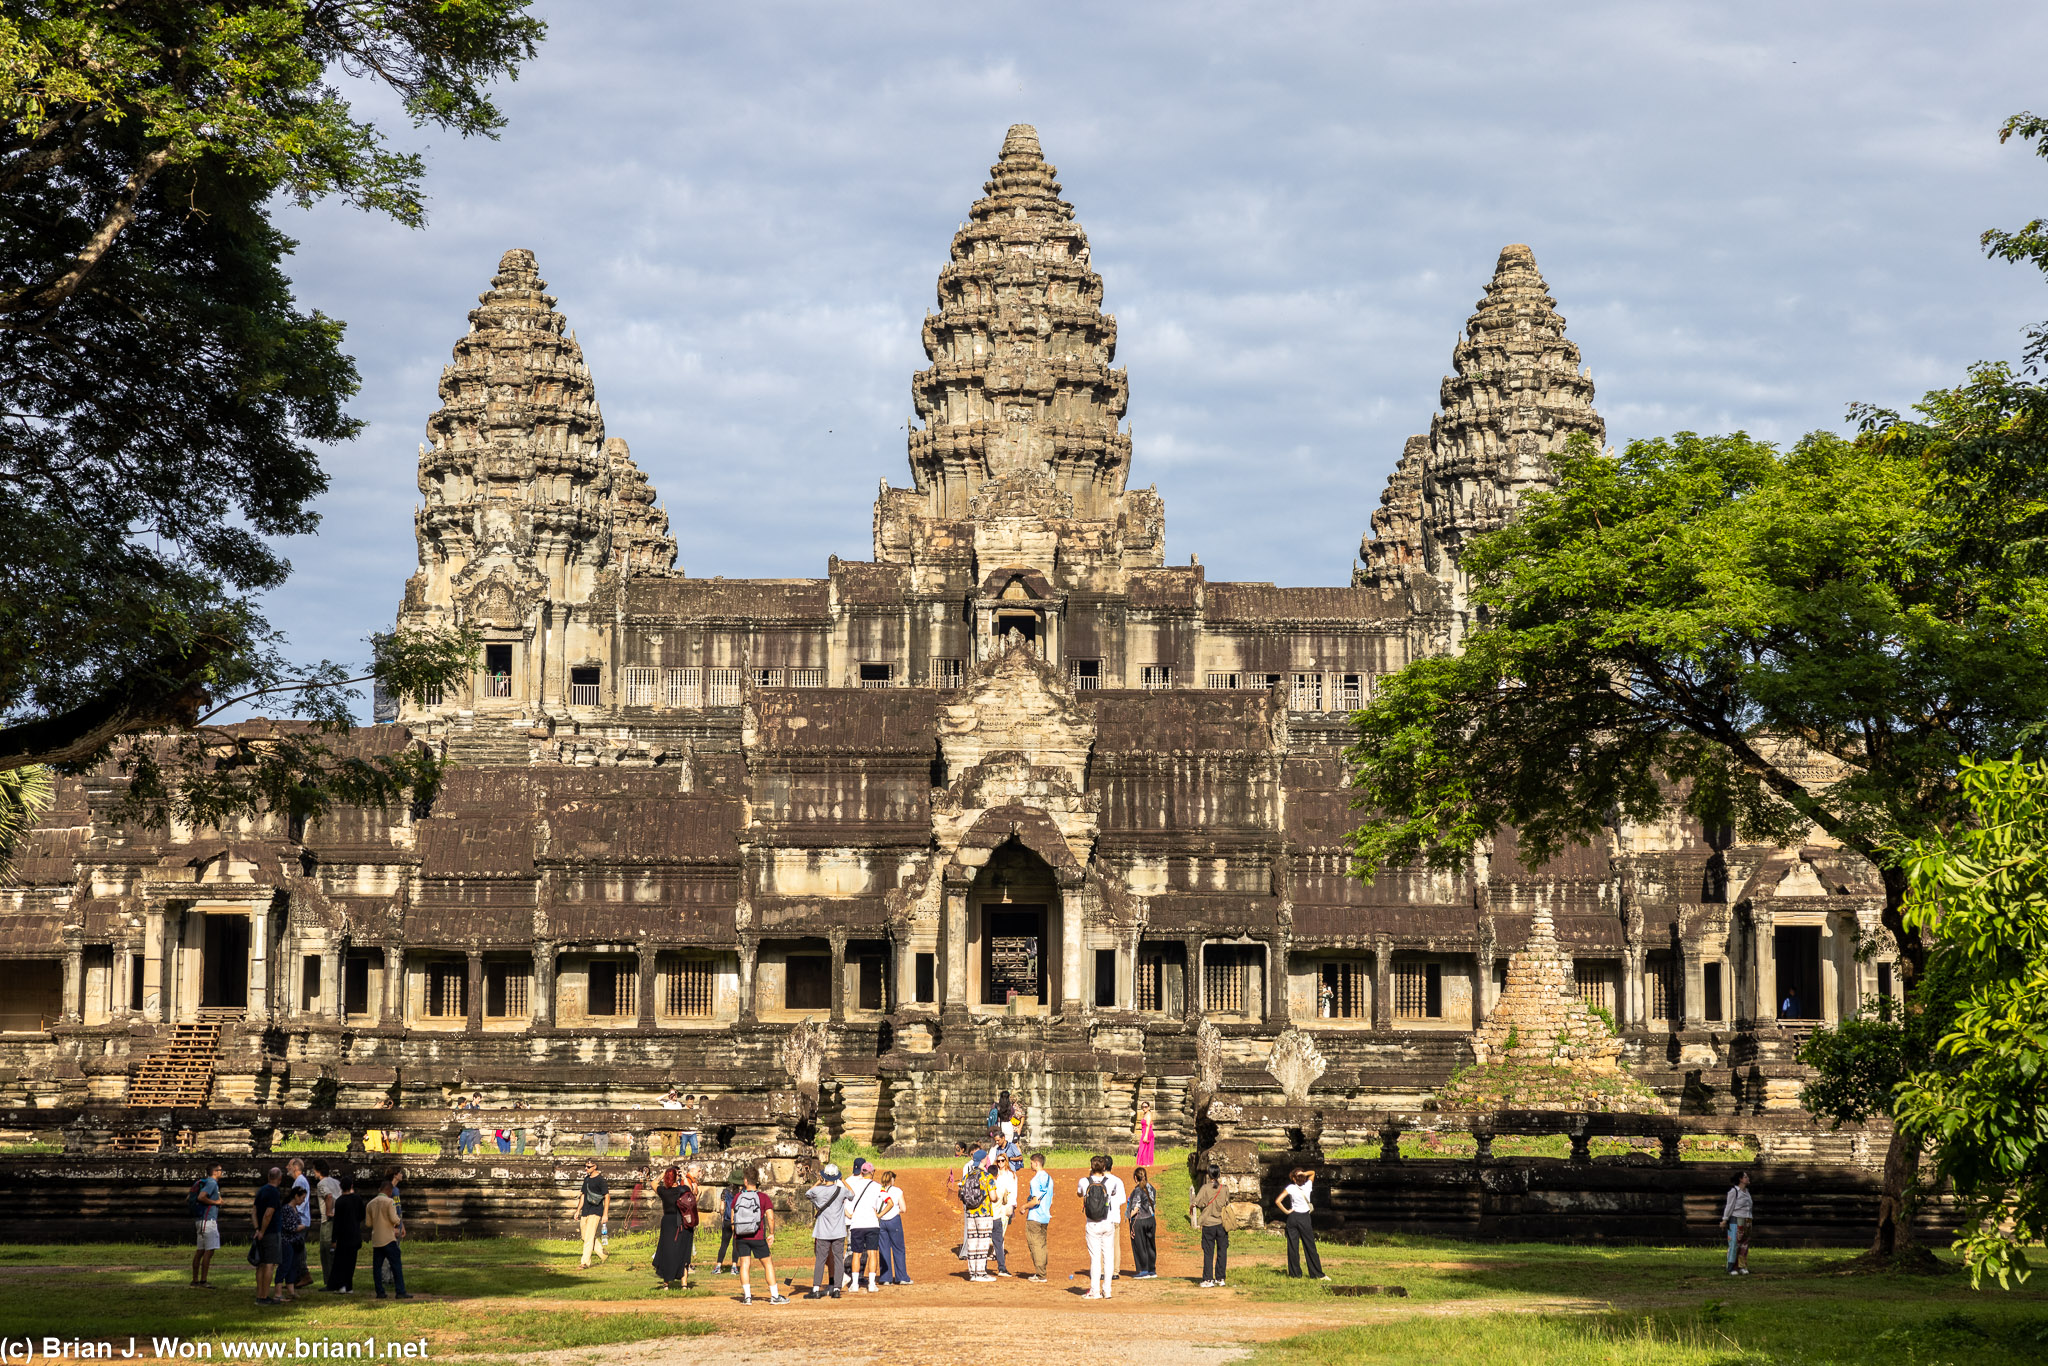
(1020, 380)
(640, 540)
(1538, 1008)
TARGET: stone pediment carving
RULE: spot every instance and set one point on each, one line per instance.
(1033, 828)
(1024, 494)
(501, 596)
(1016, 583)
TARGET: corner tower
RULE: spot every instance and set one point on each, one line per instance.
(527, 510)
(1516, 394)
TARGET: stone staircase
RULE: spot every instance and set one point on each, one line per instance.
(491, 746)
(179, 1076)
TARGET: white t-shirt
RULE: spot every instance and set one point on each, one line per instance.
(1114, 1185)
(892, 1203)
(300, 1183)
(1005, 1201)
(863, 1202)
(328, 1190)
(1301, 1198)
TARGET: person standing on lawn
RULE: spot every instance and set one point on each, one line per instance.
(864, 1197)
(1141, 1211)
(977, 1205)
(295, 1170)
(1002, 1206)
(1736, 1214)
(205, 1207)
(1038, 1215)
(1210, 1203)
(593, 1211)
(291, 1235)
(269, 1200)
(753, 1224)
(723, 1211)
(1298, 1203)
(349, 1214)
(325, 1192)
(1099, 1210)
(386, 1229)
(895, 1264)
(673, 1246)
(828, 1233)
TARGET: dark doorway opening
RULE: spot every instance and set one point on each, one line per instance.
(1105, 979)
(1797, 948)
(808, 985)
(1019, 625)
(355, 981)
(224, 982)
(871, 975)
(1013, 954)
(927, 985)
(1710, 992)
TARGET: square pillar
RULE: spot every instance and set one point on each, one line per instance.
(394, 985)
(1692, 985)
(1383, 982)
(473, 993)
(953, 954)
(647, 965)
(1197, 989)
(154, 976)
(541, 1009)
(1073, 967)
(1764, 957)
(332, 964)
(259, 966)
(750, 952)
(838, 950)
(74, 985)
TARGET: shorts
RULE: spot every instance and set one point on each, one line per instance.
(867, 1240)
(268, 1251)
(209, 1235)
(756, 1246)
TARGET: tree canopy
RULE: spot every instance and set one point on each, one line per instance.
(166, 394)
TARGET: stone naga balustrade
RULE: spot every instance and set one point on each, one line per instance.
(755, 1124)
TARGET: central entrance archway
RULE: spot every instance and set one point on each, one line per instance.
(1014, 923)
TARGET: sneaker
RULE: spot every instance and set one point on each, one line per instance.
(1322, 1278)
(906, 1281)
(1223, 1285)
(1091, 1295)
(746, 1299)
(778, 1299)
(405, 1297)
(814, 1294)
(835, 1294)
(1207, 1285)
(1733, 1272)
(1745, 1271)
(983, 1277)
(1006, 1275)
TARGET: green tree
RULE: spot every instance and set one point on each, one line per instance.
(1981, 1105)
(1767, 640)
(166, 393)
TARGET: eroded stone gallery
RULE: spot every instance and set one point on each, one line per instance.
(1014, 803)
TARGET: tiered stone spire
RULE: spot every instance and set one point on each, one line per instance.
(1393, 547)
(516, 474)
(640, 540)
(1541, 1014)
(1020, 380)
(1515, 396)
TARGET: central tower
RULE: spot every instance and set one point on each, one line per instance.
(1021, 408)
(1020, 381)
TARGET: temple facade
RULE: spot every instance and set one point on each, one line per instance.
(1014, 802)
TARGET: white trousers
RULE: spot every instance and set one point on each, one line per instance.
(1101, 1256)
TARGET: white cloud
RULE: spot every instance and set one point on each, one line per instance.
(1751, 214)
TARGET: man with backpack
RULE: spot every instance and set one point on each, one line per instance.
(1102, 1202)
(752, 1220)
(828, 1233)
(977, 1199)
(203, 1201)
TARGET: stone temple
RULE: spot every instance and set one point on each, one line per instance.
(1014, 802)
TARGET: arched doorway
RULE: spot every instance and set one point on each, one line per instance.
(1014, 931)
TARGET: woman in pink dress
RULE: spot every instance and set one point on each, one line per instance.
(1144, 1133)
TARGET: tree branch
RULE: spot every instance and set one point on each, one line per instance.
(117, 219)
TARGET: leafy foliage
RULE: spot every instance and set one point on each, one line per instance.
(1983, 1108)
(1858, 1064)
(1763, 639)
(166, 393)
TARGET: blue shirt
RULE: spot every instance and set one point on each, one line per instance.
(1041, 1191)
(209, 1214)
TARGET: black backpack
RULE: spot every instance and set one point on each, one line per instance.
(192, 1199)
(974, 1191)
(1095, 1200)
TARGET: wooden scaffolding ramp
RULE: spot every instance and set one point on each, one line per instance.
(179, 1076)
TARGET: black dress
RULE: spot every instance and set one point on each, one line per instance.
(678, 1231)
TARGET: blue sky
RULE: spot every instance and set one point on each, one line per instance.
(1751, 215)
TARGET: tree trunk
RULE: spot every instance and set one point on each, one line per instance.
(1894, 1233)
